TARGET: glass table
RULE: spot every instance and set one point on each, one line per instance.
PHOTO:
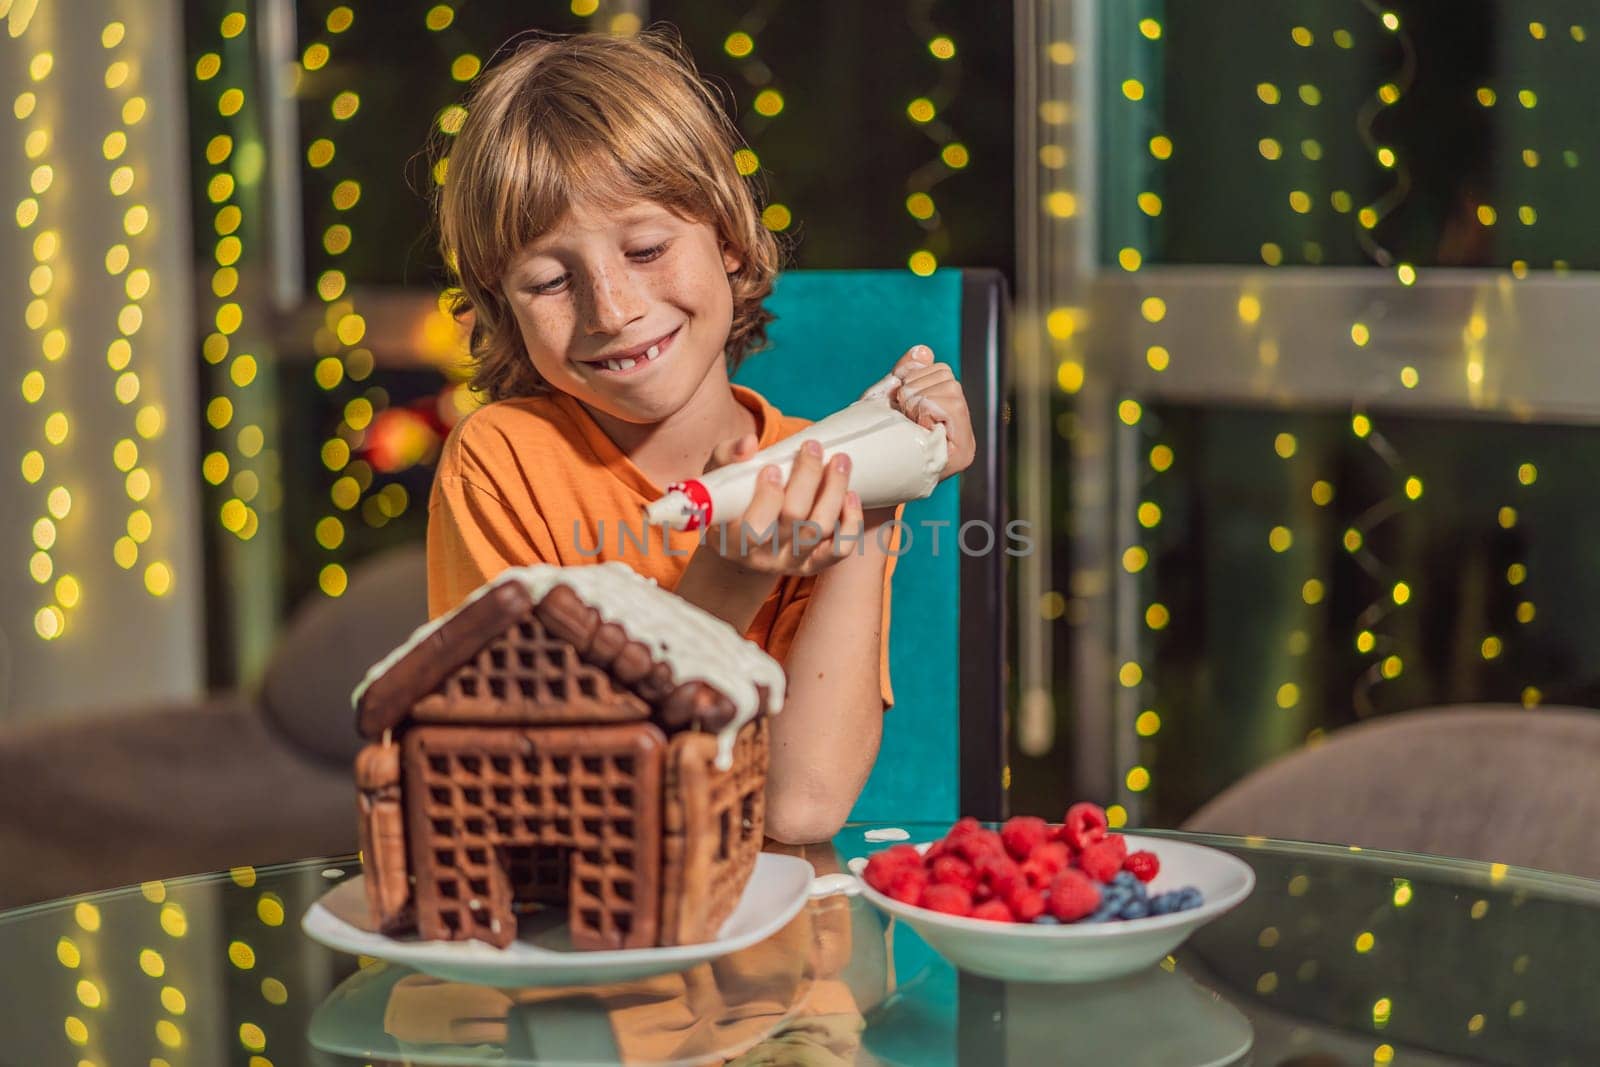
(1339, 957)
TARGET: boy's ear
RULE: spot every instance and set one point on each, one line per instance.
(732, 263)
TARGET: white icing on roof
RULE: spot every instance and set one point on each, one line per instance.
(695, 644)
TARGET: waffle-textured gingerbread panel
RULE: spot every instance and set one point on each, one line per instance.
(714, 825)
(502, 819)
(528, 675)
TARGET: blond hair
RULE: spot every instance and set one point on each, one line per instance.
(602, 118)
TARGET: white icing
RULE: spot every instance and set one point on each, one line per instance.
(827, 885)
(892, 460)
(888, 833)
(857, 865)
(695, 644)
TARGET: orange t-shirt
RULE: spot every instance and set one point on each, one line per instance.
(536, 480)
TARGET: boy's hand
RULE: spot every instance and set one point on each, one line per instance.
(801, 528)
(929, 394)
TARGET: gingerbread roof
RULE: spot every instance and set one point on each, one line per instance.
(612, 643)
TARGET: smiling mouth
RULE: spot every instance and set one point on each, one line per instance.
(637, 363)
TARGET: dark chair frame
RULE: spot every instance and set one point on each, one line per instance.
(985, 628)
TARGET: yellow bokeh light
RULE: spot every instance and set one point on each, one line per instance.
(1280, 539)
(439, 17)
(329, 532)
(1288, 695)
(140, 525)
(336, 239)
(59, 502)
(44, 534)
(345, 105)
(1157, 616)
(1506, 517)
(1069, 376)
(1130, 674)
(76, 1031)
(241, 955)
(1149, 514)
(1268, 93)
(1285, 445)
(738, 44)
(40, 567)
(56, 427)
(333, 580)
(1322, 493)
(465, 67)
(1153, 308)
(1360, 334)
(1138, 779)
(1061, 204)
(769, 102)
(942, 47)
(1413, 488)
(340, 19)
(346, 194)
(1312, 592)
(1401, 592)
(920, 110)
(32, 466)
(1133, 89)
(1269, 148)
(1161, 146)
(1135, 559)
(746, 162)
(1130, 412)
(1527, 474)
(269, 909)
(922, 263)
(1129, 259)
(173, 1001)
(1161, 458)
(1148, 724)
(168, 1034)
(320, 152)
(1526, 612)
(955, 155)
(1157, 357)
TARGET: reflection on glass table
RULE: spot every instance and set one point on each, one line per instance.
(1338, 957)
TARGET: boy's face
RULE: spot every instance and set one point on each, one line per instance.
(606, 287)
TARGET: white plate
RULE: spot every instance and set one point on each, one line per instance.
(1085, 952)
(778, 888)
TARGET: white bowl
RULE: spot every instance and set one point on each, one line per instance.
(778, 888)
(1085, 952)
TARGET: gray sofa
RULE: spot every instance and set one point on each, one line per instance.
(258, 776)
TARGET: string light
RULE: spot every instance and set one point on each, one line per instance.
(232, 371)
(36, 109)
(927, 113)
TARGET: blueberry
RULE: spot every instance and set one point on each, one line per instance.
(1126, 878)
(1190, 897)
(1047, 920)
(1163, 903)
(1135, 909)
(1104, 913)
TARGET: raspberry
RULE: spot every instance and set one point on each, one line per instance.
(976, 843)
(962, 828)
(1118, 842)
(1026, 904)
(882, 868)
(953, 870)
(994, 911)
(1083, 825)
(949, 899)
(1023, 834)
(999, 873)
(1143, 865)
(1073, 896)
(1053, 856)
(1101, 861)
(1037, 872)
(907, 884)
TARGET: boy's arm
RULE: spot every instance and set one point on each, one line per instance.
(825, 740)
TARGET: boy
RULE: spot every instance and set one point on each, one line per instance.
(614, 264)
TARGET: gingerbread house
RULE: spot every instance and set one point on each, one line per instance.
(570, 736)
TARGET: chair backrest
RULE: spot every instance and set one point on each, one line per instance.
(1488, 783)
(836, 333)
(327, 646)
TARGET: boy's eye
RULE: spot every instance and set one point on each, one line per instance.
(555, 285)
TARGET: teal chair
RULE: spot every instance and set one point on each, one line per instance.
(836, 333)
